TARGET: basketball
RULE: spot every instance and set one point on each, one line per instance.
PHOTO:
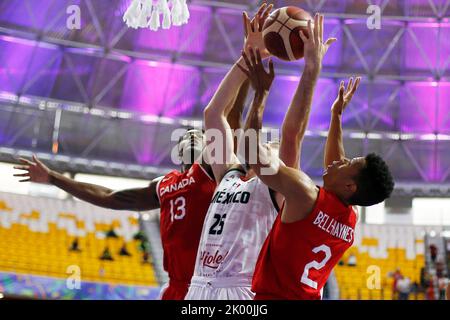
(280, 32)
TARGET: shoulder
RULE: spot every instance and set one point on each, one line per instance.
(305, 204)
(154, 185)
(310, 193)
(169, 175)
(156, 181)
(169, 178)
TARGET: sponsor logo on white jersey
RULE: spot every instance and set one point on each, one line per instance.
(212, 260)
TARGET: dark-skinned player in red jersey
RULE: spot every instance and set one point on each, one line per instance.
(316, 224)
(182, 196)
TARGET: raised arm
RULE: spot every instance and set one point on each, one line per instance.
(219, 138)
(297, 188)
(334, 146)
(131, 199)
(234, 118)
(220, 154)
(297, 116)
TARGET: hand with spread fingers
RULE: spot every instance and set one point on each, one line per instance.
(260, 79)
(345, 95)
(253, 30)
(35, 171)
(314, 47)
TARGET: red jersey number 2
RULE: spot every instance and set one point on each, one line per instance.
(316, 265)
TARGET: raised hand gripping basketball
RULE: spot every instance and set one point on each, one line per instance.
(345, 95)
(260, 79)
(253, 30)
(314, 47)
(35, 171)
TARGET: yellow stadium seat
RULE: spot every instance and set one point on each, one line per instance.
(352, 281)
(47, 253)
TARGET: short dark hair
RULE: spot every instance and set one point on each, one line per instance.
(181, 137)
(374, 182)
(189, 129)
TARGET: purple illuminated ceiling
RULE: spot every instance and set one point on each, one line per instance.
(160, 88)
(173, 73)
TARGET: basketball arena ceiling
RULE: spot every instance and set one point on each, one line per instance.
(97, 98)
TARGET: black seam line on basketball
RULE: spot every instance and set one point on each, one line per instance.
(283, 24)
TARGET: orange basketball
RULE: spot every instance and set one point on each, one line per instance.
(281, 30)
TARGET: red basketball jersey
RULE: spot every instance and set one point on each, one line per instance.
(297, 258)
(184, 200)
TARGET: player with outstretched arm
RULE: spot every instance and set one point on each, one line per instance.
(316, 224)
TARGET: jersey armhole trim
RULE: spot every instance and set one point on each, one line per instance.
(157, 189)
(274, 199)
(206, 172)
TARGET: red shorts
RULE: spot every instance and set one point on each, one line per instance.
(175, 291)
(262, 296)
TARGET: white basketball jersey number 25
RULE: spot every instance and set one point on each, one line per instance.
(316, 265)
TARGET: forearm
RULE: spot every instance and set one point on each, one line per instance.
(91, 193)
(255, 153)
(223, 100)
(300, 107)
(215, 122)
(297, 118)
(256, 112)
(234, 118)
(235, 115)
(334, 147)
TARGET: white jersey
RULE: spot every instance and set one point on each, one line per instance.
(238, 221)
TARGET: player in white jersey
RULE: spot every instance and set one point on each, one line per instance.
(243, 209)
(239, 218)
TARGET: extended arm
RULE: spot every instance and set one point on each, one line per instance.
(334, 147)
(131, 199)
(298, 190)
(219, 137)
(297, 117)
(296, 120)
(295, 186)
(234, 118)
